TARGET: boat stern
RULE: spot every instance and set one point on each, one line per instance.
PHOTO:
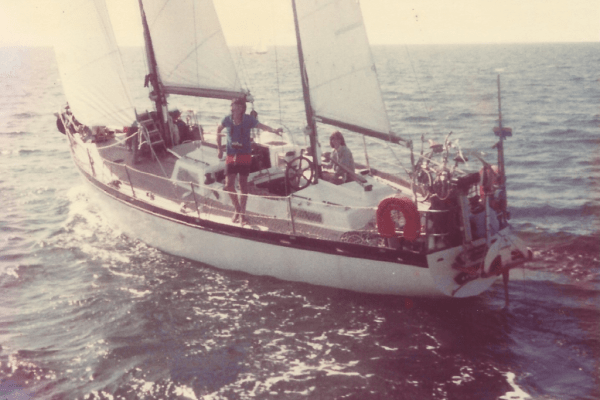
(469, 270)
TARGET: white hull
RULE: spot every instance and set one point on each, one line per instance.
(257, 250)
(230, 251)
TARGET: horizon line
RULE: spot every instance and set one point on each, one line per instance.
(374, 44)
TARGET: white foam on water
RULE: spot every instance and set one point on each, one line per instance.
(517, 393)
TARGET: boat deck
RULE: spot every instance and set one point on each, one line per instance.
(150, 179)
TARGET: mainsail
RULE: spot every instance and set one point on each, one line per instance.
(191, 52)
(90, 66)
(344, 89)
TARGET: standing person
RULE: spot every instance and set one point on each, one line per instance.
(239, 153)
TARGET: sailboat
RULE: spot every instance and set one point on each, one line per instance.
(440, 231)
(259, 48)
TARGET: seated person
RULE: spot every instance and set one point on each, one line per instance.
(341, 155)
(185, 133)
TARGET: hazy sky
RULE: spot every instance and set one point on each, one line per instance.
(247, 22)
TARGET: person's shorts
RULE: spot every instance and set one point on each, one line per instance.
(238, 164)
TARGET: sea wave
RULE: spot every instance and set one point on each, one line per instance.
(417, 119)
(537, 210)
(563, 133)
(575, 258)
(13, 133)
(586, 121)
(25, 115)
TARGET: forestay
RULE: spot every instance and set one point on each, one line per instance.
(341, 73)
(90, 65)
(190, 48)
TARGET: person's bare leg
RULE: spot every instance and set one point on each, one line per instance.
(230, 187)
(243, 197)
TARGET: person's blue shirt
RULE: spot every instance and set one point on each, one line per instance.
(238, 136)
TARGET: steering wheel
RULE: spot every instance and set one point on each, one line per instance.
(299, 173)
(422, 183)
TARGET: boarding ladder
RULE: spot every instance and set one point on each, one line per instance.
(149, 133)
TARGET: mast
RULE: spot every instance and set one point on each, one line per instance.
(157, 94)
(500, 144)
(312, 125)
(502, 133)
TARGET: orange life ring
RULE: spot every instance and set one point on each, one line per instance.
(385, 224)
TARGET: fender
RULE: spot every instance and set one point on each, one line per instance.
(385, 224)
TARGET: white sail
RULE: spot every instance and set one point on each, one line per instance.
(343, 84)
(90, 65)
(190, 48)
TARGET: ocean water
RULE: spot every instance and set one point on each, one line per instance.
(88, 313)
